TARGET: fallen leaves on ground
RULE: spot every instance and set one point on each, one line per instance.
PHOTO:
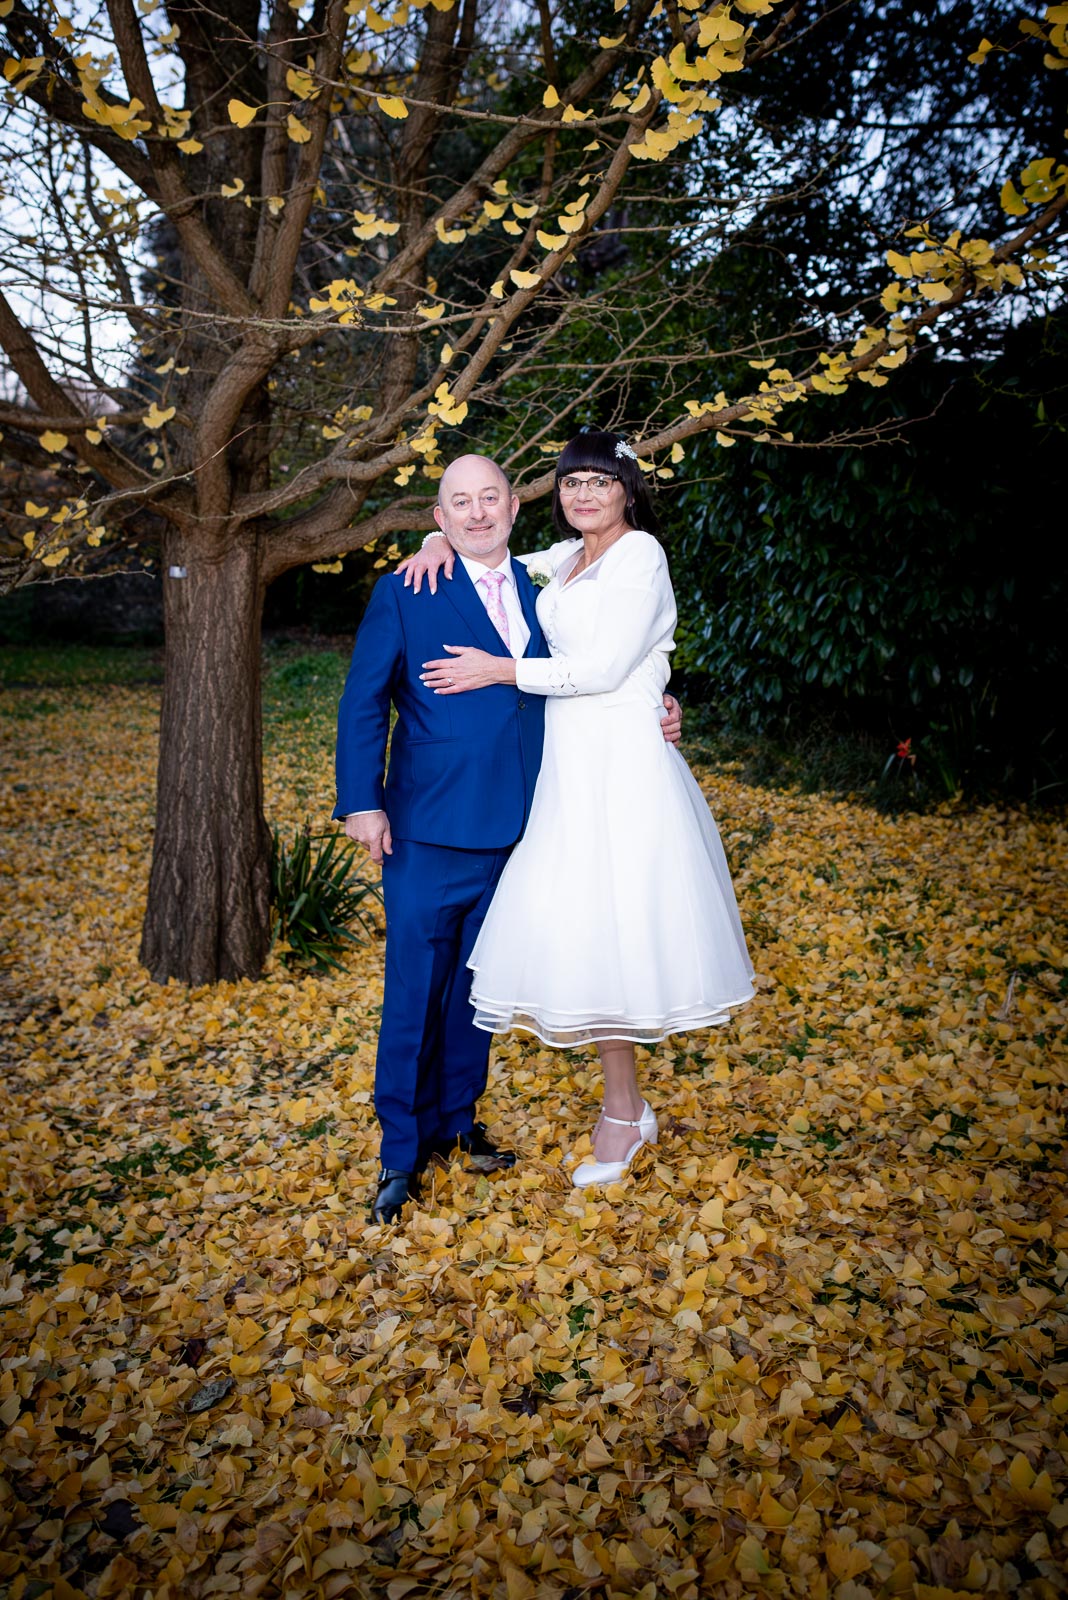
(814, 1347)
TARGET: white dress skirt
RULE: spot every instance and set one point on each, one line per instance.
(615, 917)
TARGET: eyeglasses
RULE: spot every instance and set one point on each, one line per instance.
(598, 485)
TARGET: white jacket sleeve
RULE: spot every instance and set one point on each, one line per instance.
(634, 617)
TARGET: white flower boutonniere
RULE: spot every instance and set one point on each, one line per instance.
(539, 571)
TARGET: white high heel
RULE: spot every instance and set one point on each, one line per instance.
(611, 1171)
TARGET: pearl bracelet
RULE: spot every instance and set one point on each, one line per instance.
(436, 534)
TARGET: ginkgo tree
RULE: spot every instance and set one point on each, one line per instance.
(265, 269)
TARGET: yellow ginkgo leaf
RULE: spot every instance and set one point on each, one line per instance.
(677, 453)
(53, 442)
(155, 417)
(300, 83)
(34, 510)
(370, 227)
(607, 43)
(497, 289)
(573, 114)
(524, 280)
(551, 241)
(235, 186)
(512, 227)
(430, 312)
(54, 557)
(523, 211)
(297, 130)
(191, 147)
(550, 98)
(448, 235)
(725, 440)
(240, 113)
(392, 106)
(446, 356)
(327, 566)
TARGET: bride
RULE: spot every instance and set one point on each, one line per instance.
(615, 920)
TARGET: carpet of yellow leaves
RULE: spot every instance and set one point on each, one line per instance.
(815, 1347)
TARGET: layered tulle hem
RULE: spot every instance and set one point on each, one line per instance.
(572, 1032)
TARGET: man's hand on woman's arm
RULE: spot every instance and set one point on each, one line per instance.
(437, 553)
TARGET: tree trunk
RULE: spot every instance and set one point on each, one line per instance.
(208, 915)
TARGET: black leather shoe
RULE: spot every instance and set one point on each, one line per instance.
(394, 1188)
(480, 1150)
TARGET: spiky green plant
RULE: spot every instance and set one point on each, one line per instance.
(317, 899)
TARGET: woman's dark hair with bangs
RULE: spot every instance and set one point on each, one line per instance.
(596, 452)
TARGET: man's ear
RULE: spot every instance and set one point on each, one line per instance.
(515, 507)
(438, 518)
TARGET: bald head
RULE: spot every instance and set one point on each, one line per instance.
(483, 468)
(476, 508)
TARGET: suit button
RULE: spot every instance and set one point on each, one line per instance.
(522, 705)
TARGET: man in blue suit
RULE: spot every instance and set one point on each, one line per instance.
(461, 777)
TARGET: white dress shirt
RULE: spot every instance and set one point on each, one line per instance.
(518, 632)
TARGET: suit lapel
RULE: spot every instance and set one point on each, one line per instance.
(528, 598)
(462, 596)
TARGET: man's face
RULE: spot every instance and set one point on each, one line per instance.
(475, 509)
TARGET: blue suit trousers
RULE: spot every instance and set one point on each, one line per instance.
(432, 1061)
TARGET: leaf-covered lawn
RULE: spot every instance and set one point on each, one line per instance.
(815, 1347)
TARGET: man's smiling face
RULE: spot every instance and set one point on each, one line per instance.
(476, 509)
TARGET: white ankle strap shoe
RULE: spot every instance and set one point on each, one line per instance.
(611, 1171)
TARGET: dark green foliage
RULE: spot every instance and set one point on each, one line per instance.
(316, 898)
(908, 591)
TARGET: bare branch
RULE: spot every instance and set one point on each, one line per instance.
(25, 358)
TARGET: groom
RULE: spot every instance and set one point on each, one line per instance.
(456, 799)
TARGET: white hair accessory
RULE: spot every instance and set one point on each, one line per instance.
(624, 449)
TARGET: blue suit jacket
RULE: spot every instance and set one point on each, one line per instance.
(462, 768)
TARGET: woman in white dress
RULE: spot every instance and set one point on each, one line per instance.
(615, 921)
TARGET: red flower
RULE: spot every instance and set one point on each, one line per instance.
(904, 751)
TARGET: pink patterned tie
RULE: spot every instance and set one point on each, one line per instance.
(490, 583)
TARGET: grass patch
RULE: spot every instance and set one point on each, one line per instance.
(302, 685)
(71, 666)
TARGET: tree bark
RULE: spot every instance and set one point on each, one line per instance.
(208, 906)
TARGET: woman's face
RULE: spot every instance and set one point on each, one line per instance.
(593, 502)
